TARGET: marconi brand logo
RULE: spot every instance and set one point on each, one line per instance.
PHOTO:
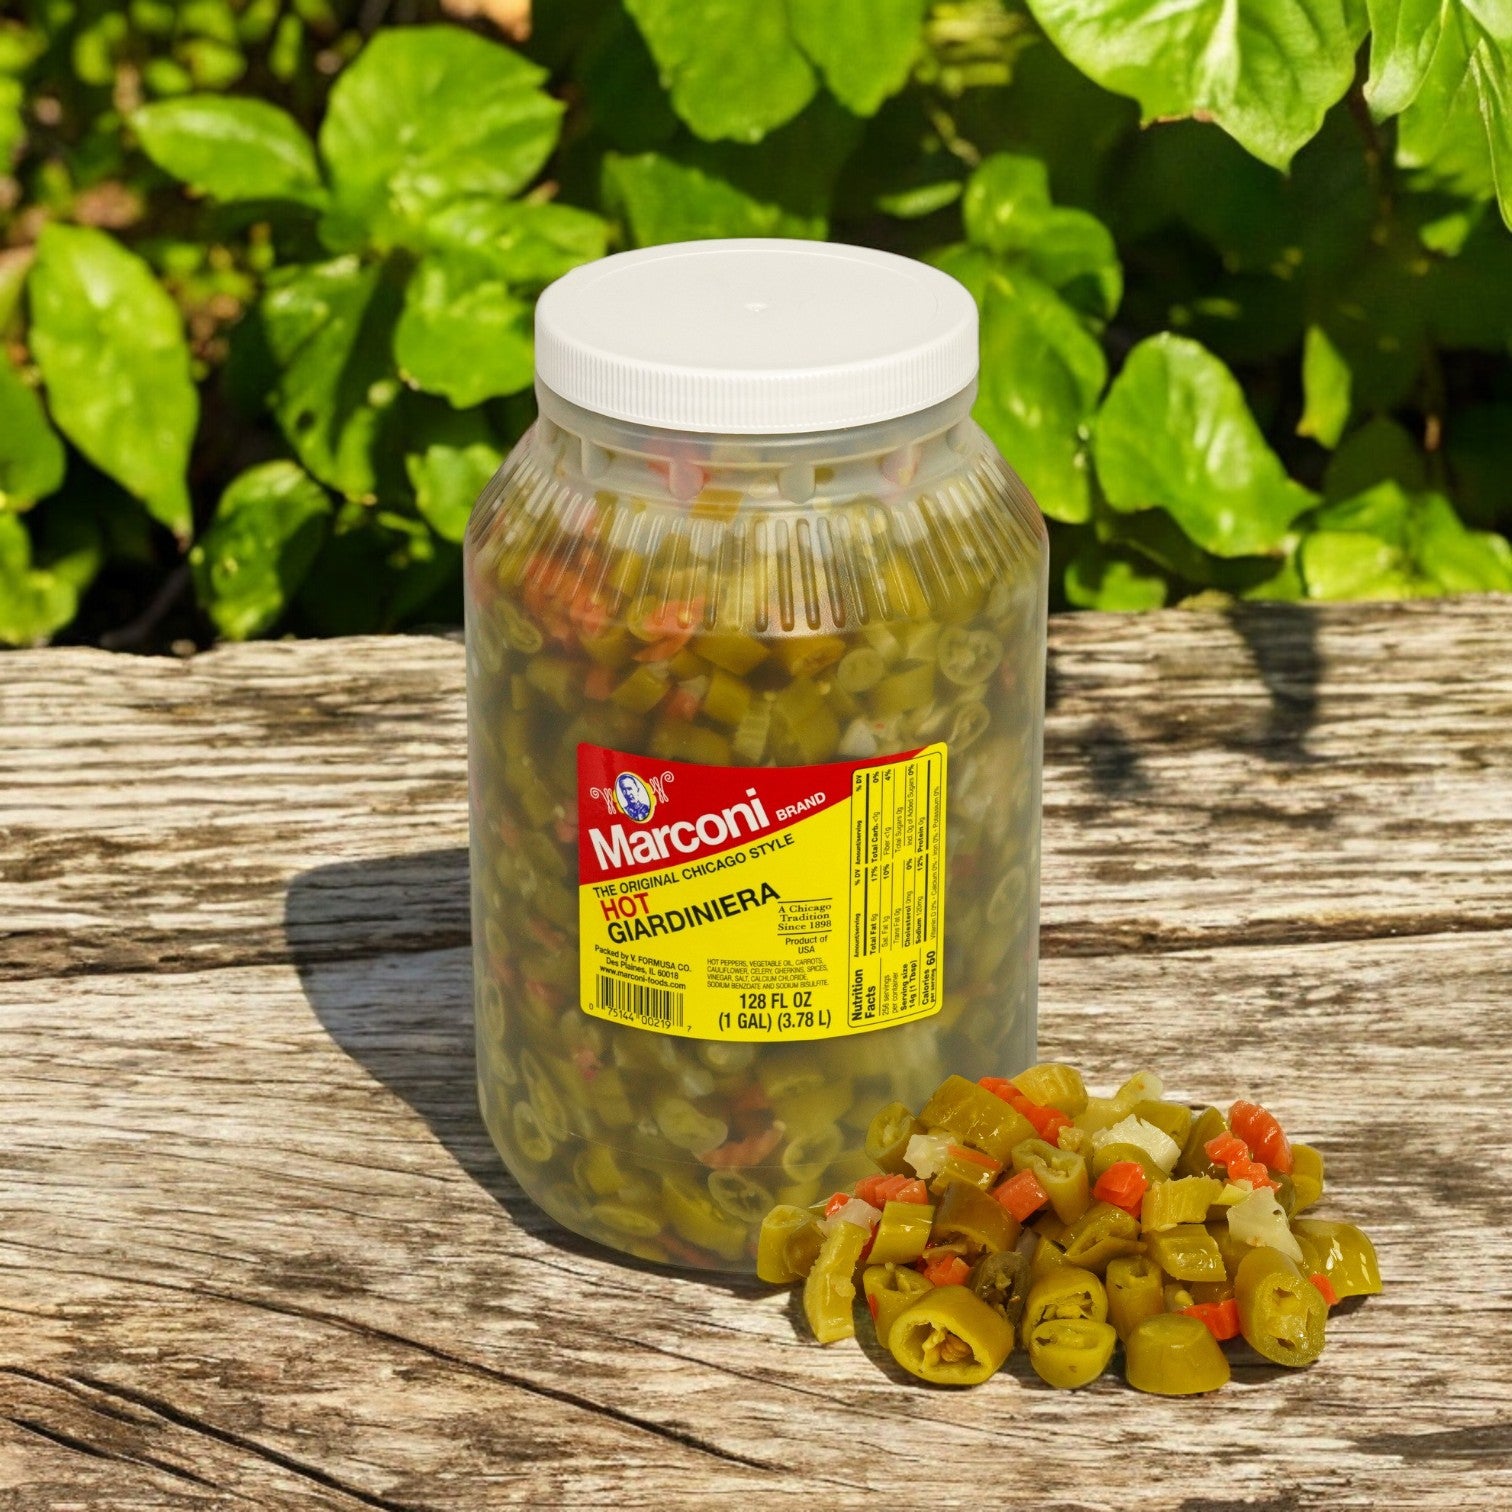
(634, 798)
(637, 813)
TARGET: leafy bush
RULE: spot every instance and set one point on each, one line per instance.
(267, 278)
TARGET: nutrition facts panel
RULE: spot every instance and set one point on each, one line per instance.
(897, 890)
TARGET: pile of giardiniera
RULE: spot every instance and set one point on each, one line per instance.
(1023, 1209)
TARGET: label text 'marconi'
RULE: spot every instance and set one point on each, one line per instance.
(620, 847)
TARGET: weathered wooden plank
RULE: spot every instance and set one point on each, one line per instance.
(255, 1203)
(1287, 774)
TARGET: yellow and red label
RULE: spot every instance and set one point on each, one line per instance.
(761, 903)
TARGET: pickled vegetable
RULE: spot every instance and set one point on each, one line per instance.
(950, 1337)
(1071, 1353)
(1172, 1272)
(1281, 1313)
(1173, 1354)
(747, 624)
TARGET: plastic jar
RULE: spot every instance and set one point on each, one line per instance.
(755, 642)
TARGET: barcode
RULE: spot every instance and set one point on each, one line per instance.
(648, 1005)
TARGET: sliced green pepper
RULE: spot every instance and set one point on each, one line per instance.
(1194, 1156)
(1101, 1234)
(736, 1194)
(950, 1337)
(890, 1291)
(1053, 1085)
(1135, 1292)
(903, 1233)
(695, 1216)
(1068, 1291)
(976, 1117)
(1116, 1152)
(1173, 1119)
(1348, 1257)
(1045, 1257)
(1188, 1252)
(830, 1287)
(962, 1167)
(1233, 1250)
(1002, 1282)
(1307, 1176)
(1062, 1173)
(1174, 1354)
(1068, 1353)
(790, 1239)
(1282, 1315)
(888, 1135)
(968, 1216)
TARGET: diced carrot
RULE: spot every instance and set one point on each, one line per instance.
(835, 1203)
(947, 1270)
(963, 1152)
(751, 1150)
(1123, 1184)
(1046, 1122)
(599, 683)
(912, 1190)
(1325, 1286)
(1263, 1133)
(1221, 1318)
(680, 704)
(1226, 1147)
(665, 648)
(1021, 1195)
(588, 613)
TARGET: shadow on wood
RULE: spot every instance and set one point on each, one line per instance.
(417, 1040)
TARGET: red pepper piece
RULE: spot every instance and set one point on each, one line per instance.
(1221, 1318)
(1262, 1132)
(1325, 1286)
(1123, 1184)
(948, 1270)
(1021, 1195)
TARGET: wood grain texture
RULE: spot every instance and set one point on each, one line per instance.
(255, 1248)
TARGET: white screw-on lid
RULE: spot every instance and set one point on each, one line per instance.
(756, 336)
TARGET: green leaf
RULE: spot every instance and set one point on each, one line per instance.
(1040, 379)
(34, 603)
(1383, 510)
(426, 115)
(864, 48)
(32, 460)
(329, 329)
(462, 333)
(1458, 560)
(1380, 451)
(1339, 564)
(1264, 70)
(231, 149)
(662, 200)
(731, 66)
(524, 244)
(112, 351)
(1007, 210)
(255, 553)
(1326, 385)
(1175, 431)
(12, 121)
(780, 187)
(1097, 578)
(456, 457)
(1404, 35)
(1456, 132)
